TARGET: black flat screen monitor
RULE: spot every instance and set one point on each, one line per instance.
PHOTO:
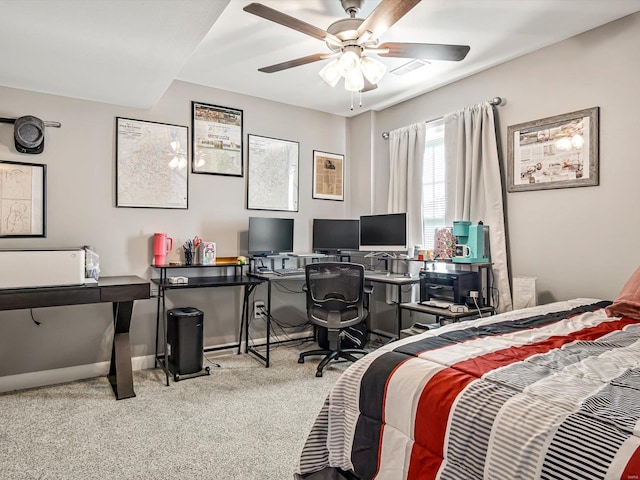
(335, 235)
(270, 236)
(383, 233)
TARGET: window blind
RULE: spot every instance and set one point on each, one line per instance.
(433, 182)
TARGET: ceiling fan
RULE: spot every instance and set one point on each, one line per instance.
(350, 40)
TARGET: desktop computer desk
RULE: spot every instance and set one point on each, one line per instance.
(237, 279)
(398, 280)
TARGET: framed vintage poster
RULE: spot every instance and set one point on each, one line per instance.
(272, 175)
(22, 199)
(151, 164)
(554, 152)
(217, 140)
(328, 176)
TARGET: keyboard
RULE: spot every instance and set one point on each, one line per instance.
(289, 271)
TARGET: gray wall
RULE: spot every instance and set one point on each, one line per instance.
(81, 210)
(578, 242)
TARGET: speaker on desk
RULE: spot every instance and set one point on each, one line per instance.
(185, 338)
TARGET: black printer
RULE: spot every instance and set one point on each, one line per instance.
(453, 286)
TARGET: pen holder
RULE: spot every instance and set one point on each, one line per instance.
(188, 256)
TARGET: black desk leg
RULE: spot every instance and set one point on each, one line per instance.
(244, 304)
(399, 310)
(120, 372)
(268, 324)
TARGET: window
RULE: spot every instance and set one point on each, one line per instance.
(433, 182)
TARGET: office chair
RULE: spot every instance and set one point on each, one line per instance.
(335, 301)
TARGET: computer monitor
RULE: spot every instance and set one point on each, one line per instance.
(270, 236)
(335, 235)
(383, 233)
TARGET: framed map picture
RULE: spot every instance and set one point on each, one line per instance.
(217, 140)
(151, 164)
(272, 178)
(22, 199)
(328, 176)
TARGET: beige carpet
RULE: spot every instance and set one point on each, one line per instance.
(242, 422)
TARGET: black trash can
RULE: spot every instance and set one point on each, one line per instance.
(185, 337)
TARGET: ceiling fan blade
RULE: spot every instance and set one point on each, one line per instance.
(293, 63)
(385, 14)
(291, 22)
(428, 51)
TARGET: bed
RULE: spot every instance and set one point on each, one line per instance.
(549, 392)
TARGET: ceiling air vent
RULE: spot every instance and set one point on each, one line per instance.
(414, 64)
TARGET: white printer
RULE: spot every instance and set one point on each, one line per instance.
(42, 267)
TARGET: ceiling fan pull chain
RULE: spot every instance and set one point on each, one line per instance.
(360, 94)
(351, 100)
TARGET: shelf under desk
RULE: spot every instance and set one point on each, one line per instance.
(445, 313)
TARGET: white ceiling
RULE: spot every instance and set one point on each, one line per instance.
(127, 52)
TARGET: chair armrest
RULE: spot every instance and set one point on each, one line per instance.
(304, 287)
(368, 288)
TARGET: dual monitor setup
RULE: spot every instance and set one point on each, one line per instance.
(369, 233)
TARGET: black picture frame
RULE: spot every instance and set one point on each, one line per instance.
(152, 164)
(272, 174)
(216, 138)
(23, 208)
(328, 176)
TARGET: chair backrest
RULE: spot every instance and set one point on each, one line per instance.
(335, 294)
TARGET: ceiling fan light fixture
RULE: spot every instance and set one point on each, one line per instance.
(373, 69)
(330, 73)
(354, 82)
(349, 62)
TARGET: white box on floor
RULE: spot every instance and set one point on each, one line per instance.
(41, 268)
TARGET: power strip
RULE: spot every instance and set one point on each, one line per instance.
(458, 308)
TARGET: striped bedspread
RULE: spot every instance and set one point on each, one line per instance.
(551, 392)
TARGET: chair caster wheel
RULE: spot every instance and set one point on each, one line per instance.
(300, 360)
(318, 374)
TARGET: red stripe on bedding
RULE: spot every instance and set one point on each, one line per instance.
(438, 396)
(632, 470)
(432, 415)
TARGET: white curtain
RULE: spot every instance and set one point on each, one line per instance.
(406, 153)
(474, 187)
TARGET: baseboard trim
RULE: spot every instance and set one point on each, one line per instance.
(80, 372)
(68, 374)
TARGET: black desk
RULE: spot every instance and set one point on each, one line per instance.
(235, 280)
(120, 291)
(397, 279)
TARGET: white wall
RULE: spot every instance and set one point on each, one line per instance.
(81, 210)
(577, 241)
